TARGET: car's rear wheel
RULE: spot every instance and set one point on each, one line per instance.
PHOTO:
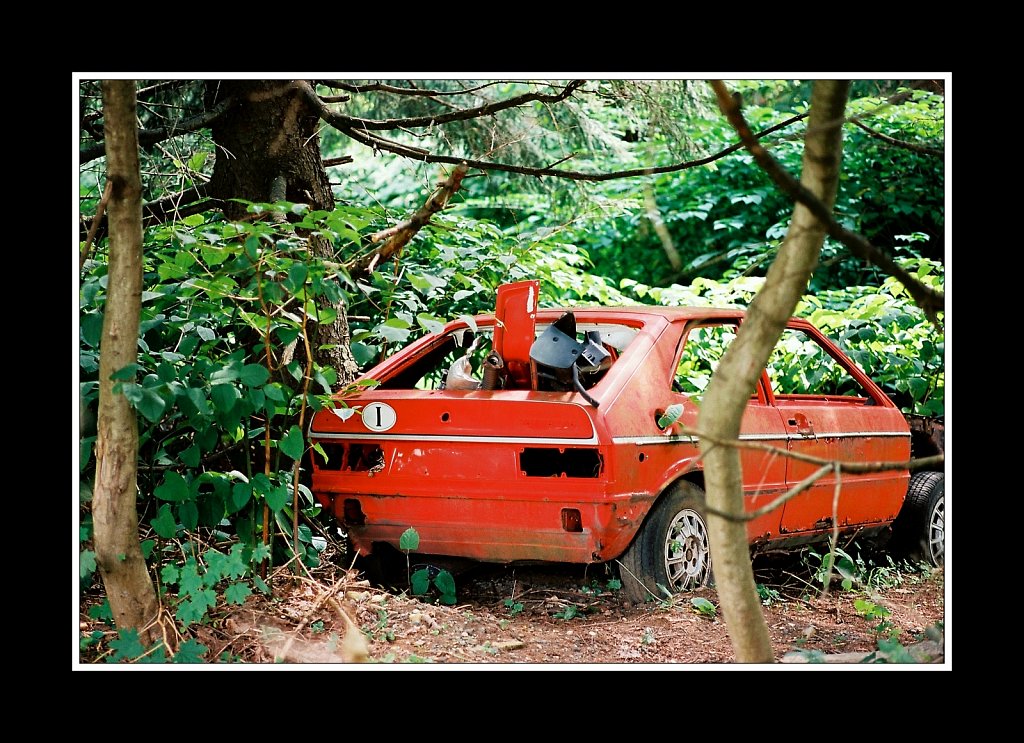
(671, 550)
(919, 531)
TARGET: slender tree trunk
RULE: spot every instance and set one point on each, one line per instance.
(736, 376)
(118, 554)
(268, 149)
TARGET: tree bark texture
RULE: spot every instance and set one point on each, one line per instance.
(736, 376)
(268, 134)
(129, 588)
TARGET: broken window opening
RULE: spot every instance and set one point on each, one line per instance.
(349, 457)
(538, 462)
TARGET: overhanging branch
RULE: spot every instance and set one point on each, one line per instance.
(343, 124)
(899, 142)
(175, 206)
(347, 122)
(397, 237)
(152, 136)
(385, 88)
(929, 300)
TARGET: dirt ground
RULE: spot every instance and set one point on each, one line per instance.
(571, 617)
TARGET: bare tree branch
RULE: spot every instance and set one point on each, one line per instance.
(826, 466)
(398, 236)
(899, 142)
(162, 86)
(100, 208)
(385, 88)
(375, 142)
(175, 206)
(852, 467)
(152, 136)
(342, 121)
(927, 299)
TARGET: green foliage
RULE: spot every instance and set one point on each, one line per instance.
(767, 594)
(704, 607)
(200, 581)
(886, 334)
(874, 612)
(221, 302)
(409, 541)
(514, 607)
(727, 219)
(571, 611)
(127, 648)
(671, 415)
(441, 581)
(86, 567)
(426, 580)
(831, 563)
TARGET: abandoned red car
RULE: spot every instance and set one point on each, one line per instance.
(533, 435)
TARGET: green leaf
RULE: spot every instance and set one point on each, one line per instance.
(918, 387)
(703, 606)
(241, 493)
(296, 277)
(260, 553)
(287, 335)
(164, 524)
(127, 646)
(253, 375)
(273, 392)
(85, 452)
(237, 593)
(224, 396)
(446, 585)
(188, 514)
(151, 406)
(190, 651)
(197, 397)
(671, 415)
(86, 564)
(190, 456)
(277, 498)
(205, 333)
(424, 283)
(394, 330)
(420, 582)
(125, 373)
(430, 323)
(91, 329)
(147, 546)
(166, 372)
(196, 162)
(410, 540)
(293, 443)
(319, 450)
(173, 488)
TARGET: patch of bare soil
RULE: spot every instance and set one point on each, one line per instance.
(568, 616)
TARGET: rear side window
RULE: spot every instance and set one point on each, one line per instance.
(703, 349)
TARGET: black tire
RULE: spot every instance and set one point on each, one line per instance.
(671, 549)
(919, 531)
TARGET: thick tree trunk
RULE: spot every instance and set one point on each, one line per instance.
(736, 376)
(267, 140)
(118, 554)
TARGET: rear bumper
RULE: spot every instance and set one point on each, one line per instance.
(556, 522)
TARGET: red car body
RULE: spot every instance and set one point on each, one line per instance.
(524, 465)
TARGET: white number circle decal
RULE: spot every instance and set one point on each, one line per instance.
(379, 416)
